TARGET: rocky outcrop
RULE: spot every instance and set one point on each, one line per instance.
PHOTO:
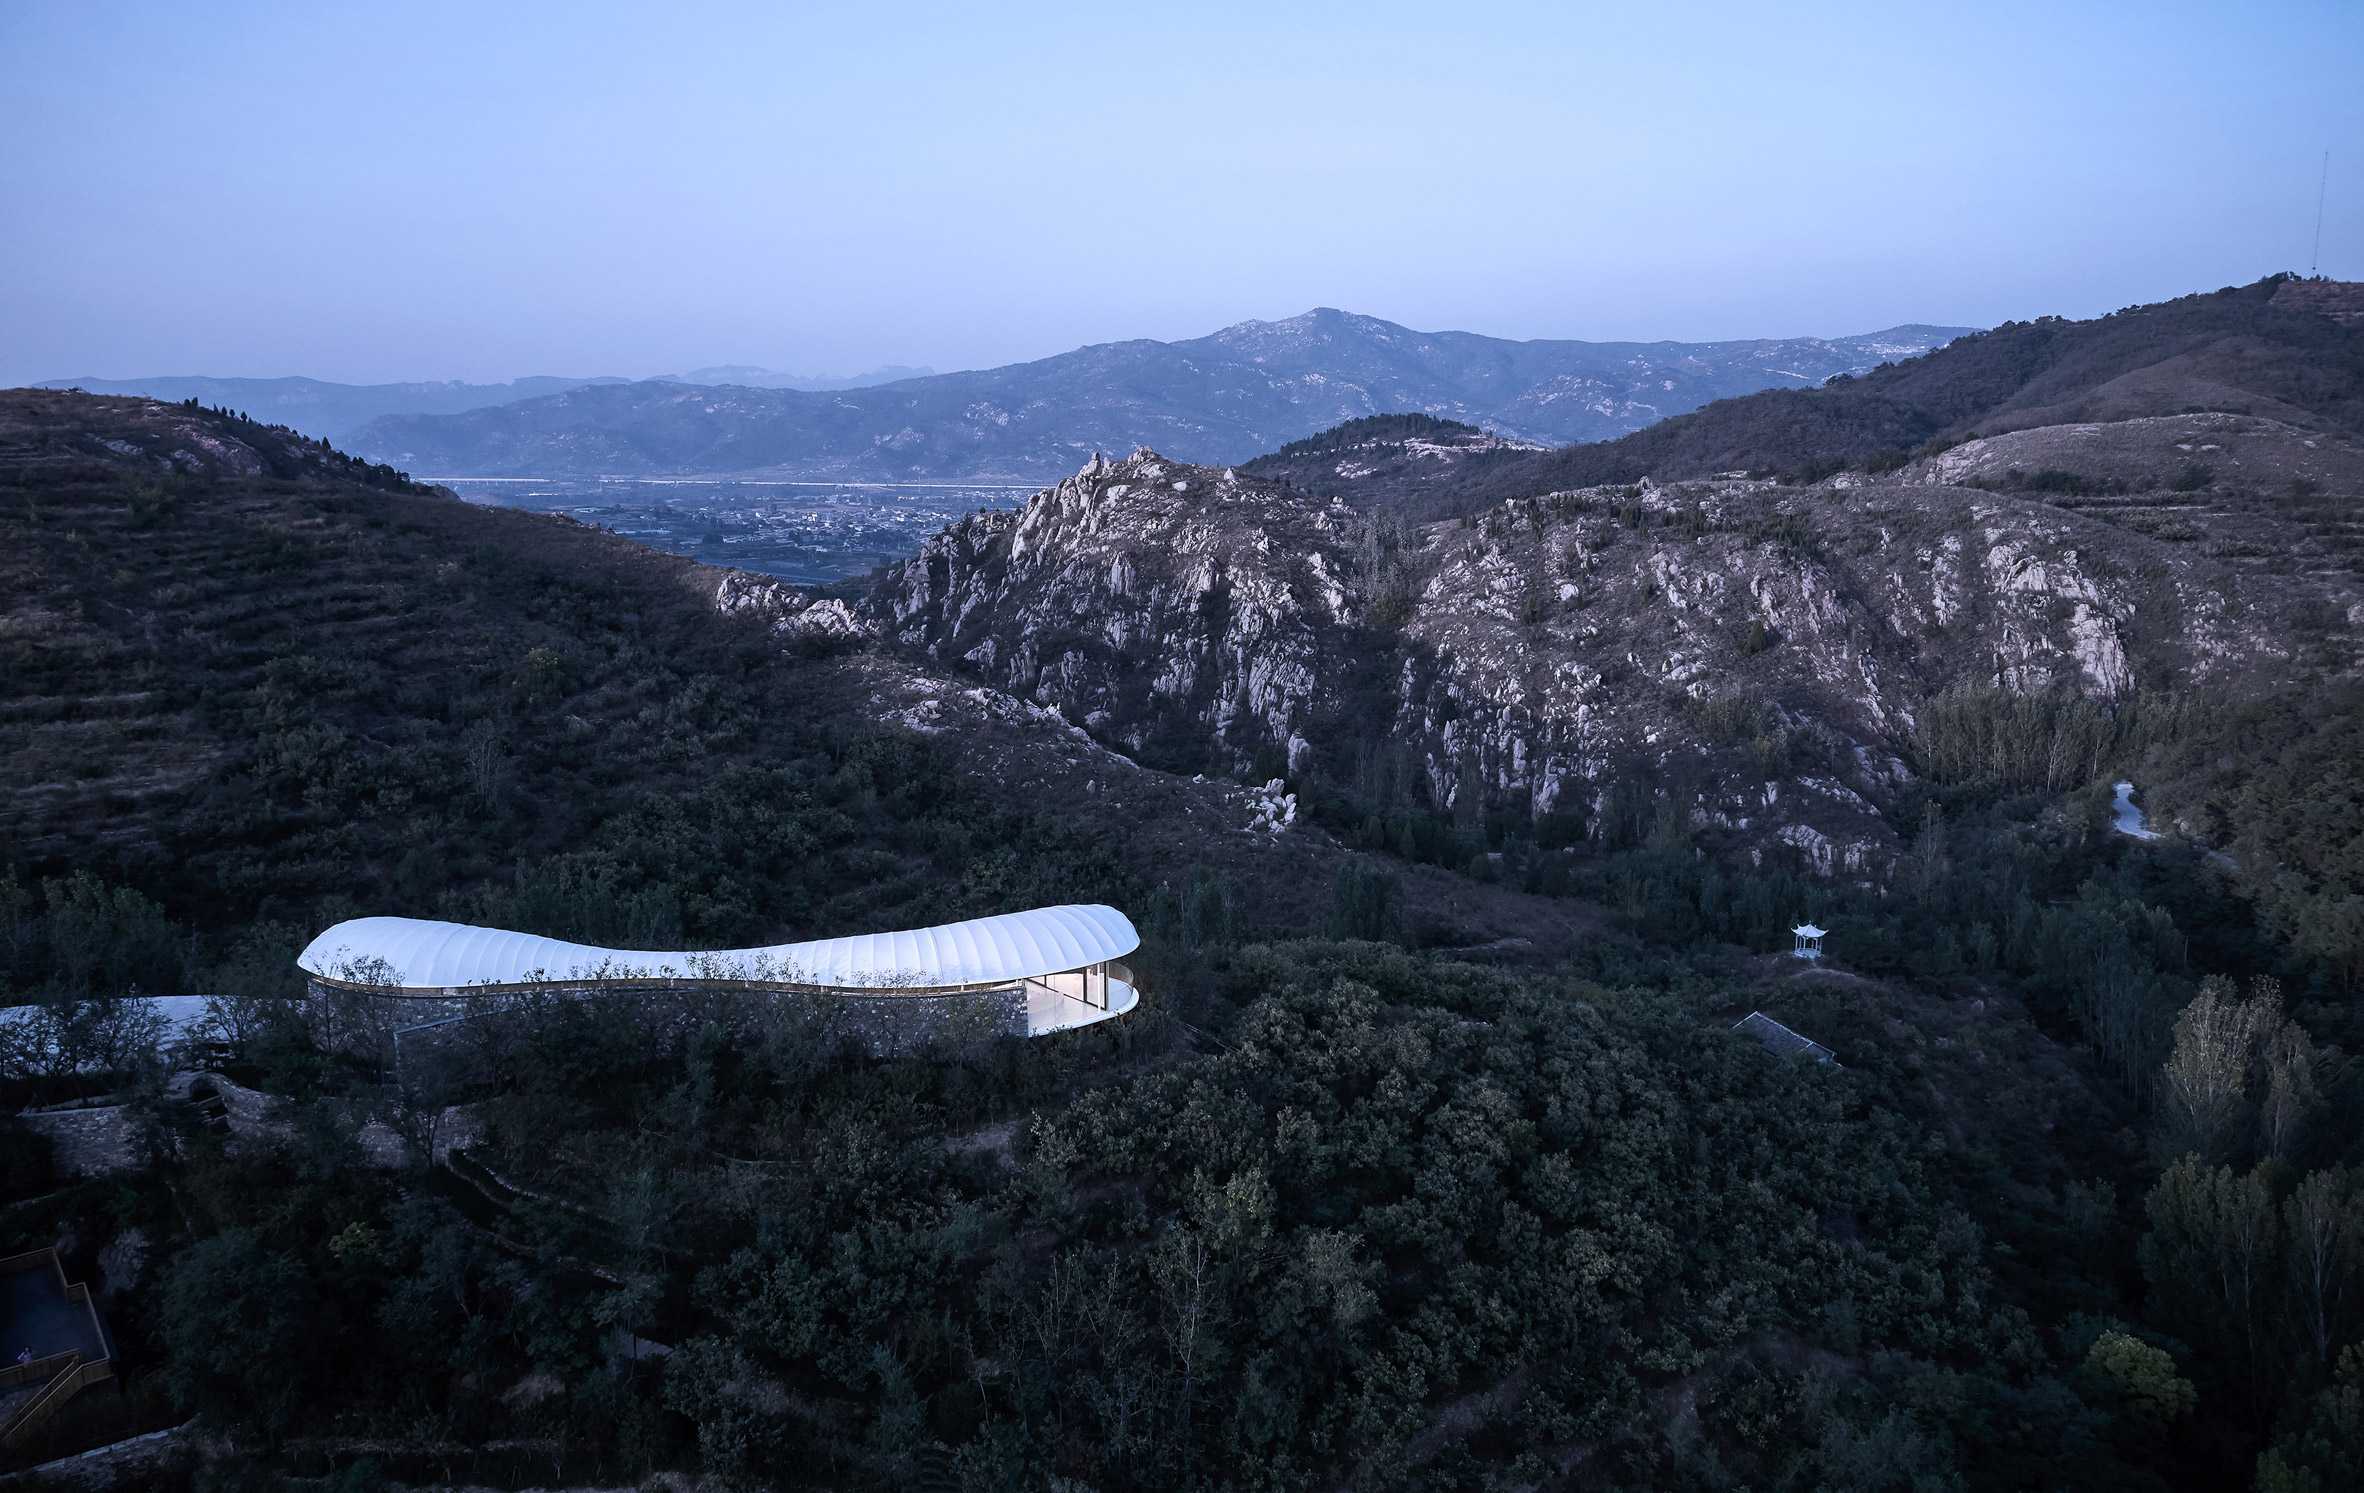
(1765, 647)
(1174, 610)
(1752, 653)
(789, 612)
(2340, 300)
(1275, 807)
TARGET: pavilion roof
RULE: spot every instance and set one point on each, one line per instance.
(419, 953)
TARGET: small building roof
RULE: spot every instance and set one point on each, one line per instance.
(422, 954)
(1808, 930)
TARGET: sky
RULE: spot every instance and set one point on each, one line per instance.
(394, 192)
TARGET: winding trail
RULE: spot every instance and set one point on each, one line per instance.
(2130, 819)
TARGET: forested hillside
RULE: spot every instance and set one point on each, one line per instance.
(251, 679)
(256, 688)
(1404, 463)
(1431, 1158)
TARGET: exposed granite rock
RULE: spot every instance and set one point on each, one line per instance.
(120, 1262)
(789, 611)
(1755, 652)
(1138, 596)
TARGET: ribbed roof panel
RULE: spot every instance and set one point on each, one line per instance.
(423, 954)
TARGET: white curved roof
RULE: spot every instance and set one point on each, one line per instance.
(420, 954)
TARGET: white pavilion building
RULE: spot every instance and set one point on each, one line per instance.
(1030, 973)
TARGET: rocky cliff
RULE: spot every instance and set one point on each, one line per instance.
(1752, 654)
(1171, 609)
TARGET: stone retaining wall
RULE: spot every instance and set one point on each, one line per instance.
(886, 1024)
(367, 1022)
(94, 1141)
(137, 1463)
(86, 1142)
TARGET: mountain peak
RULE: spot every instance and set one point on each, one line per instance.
(1321, 321)
(1102, 465)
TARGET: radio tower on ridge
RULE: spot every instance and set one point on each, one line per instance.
(2315, 260)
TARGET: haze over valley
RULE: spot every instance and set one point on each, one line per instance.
(808, 533)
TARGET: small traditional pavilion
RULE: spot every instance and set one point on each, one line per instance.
(1809, 944)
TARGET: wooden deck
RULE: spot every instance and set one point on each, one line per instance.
(52, 1343)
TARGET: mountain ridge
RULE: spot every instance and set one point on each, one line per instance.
(330, 410)
(2279, 348)
(323, 408)
(1224, 397)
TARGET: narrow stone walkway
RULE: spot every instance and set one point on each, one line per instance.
(2128, 816)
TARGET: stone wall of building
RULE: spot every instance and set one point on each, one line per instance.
(85, 1142)
(886, 1024)
(371, 1023)
(92, 1141)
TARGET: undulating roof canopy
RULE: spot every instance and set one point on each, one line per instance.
(420, 954)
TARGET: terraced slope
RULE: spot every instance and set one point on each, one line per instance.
(259, 679)
(204, 616)
(2264, 495)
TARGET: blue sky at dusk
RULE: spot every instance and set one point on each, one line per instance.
(396, 192)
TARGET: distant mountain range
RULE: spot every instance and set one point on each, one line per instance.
(317, 407)
(769, 378)
(2280, 349)
(1216, 399)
